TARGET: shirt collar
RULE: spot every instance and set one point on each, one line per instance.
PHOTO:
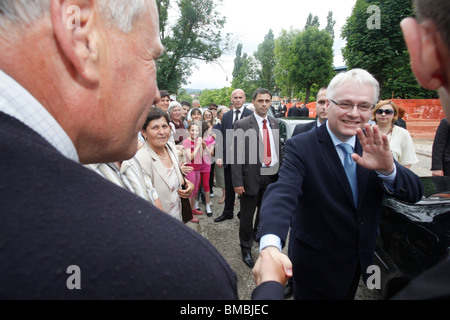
(17, 102)
(336, 141)
(259, 118)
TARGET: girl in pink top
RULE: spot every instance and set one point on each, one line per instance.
(193, 148)
(205, 169)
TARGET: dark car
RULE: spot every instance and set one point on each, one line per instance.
(413, 236)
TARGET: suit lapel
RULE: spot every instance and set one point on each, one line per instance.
(334, 162)
(159, 167)
(362, 175)
(253, 125)
(276, 137)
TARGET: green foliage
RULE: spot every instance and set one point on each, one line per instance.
(314, 63)
(245, 73)
(284, 66)
(266, 58)
(184, 96)
(217, 96)
(330, 24)
(312, 21)
(196, 35)
(303, 59)
(381, 51)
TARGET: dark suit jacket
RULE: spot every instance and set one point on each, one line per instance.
(293, 112)
(227, 124)
(304, 127)
(55, 213)
(441, 146)
(304, 112)
(330, 238)
(248, 169)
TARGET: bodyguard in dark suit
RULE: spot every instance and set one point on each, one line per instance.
(293, 111)
(333, 194)
(258, 149)
(321, 114)
(440, 160)
(238, 112)
(303, 111)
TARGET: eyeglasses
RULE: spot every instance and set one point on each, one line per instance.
(348, 106)
(388, 112)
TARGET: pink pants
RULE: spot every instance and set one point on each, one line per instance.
(194, 177)
(205, 181)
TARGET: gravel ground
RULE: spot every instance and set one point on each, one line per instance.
(224, 235)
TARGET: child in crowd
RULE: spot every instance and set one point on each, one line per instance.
(205, 170)
(193, 148)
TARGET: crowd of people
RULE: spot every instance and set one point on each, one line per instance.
(68, 101)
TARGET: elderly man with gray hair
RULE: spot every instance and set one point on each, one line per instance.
(77, 80)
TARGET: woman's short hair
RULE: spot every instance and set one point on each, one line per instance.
(172, 106)
(155, 114)
(383, 103)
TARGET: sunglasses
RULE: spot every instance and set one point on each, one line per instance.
(388, 112)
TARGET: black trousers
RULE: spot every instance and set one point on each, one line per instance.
(250, 204)
(304, 293)
(229, 193)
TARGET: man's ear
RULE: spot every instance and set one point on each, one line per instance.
(74, 27)
(423, 43)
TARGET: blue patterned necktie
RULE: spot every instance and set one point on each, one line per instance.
(350, 169)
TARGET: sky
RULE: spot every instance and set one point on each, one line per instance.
(250, 20)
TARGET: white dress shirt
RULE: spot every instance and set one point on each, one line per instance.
(273, 146)
(18, 103)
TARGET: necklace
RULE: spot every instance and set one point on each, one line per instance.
(162, 158)
(389, 133)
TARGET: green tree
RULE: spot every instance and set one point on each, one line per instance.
(330, 24)
(195, 35)
(265, 55)
(304, 61)
(217, 96)
(375, 43)
(247, 78)
(284, 63)
(238, 61)
(314, 62)
(184, 96)
(312, 21)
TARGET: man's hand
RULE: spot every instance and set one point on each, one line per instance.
(272, 265)
(437, 173)
(239, 190)
(377, 153)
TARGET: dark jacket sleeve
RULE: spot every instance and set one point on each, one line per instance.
(441, 146)
(270, 290)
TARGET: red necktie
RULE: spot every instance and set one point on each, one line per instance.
(267, 150)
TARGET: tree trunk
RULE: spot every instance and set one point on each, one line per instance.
(308, 92)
